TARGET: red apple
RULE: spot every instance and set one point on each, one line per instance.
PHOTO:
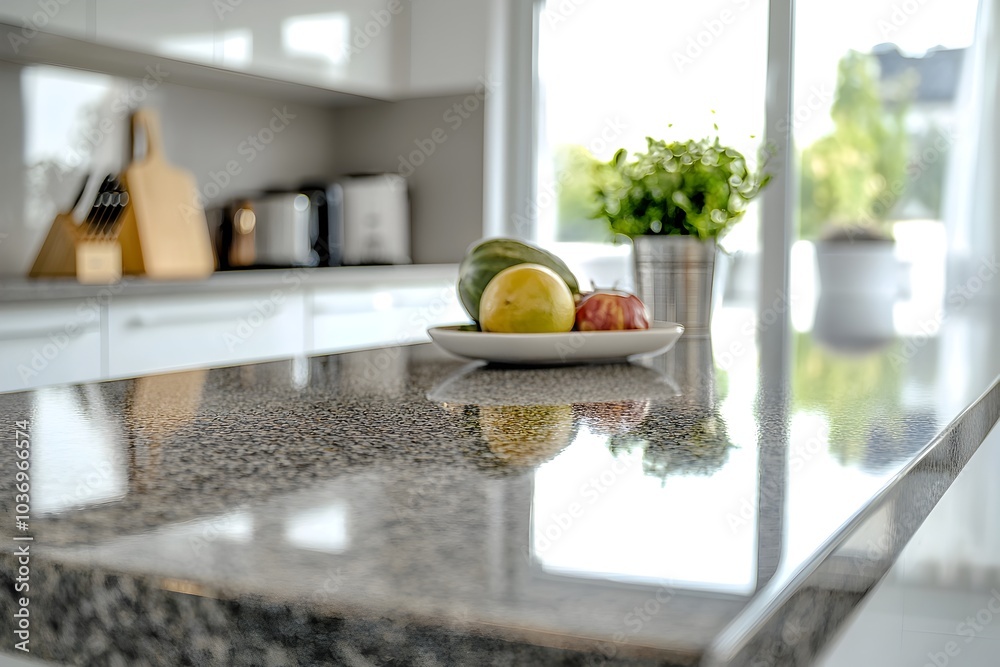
(611, 418)
(611, 311)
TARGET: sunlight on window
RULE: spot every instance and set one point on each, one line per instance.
(613, 72)
(318, 35)
(825, 32)
(57, 101)
(894, 69)
(67, 113)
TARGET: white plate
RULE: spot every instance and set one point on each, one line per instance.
(573, 347)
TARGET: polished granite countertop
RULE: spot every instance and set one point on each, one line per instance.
(34, 290)
(726, 503)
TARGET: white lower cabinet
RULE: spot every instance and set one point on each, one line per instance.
(49, 343)
(127, 335)
(356, 319)
(186, 331)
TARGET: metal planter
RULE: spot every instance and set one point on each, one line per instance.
(674, 277)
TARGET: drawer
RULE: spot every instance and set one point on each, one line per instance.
(364, 318)
(188, 331)
(50, 343)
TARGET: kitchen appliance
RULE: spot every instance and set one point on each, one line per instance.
(358, 220)
(376, 219)
(277, 229)
(328, 208)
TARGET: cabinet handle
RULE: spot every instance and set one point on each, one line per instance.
(141, 321)
(334, 310)
(28, 334)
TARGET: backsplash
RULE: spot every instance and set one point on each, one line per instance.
(59, 124)
(437, 143)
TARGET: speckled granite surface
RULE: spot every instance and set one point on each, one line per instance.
(399, 506)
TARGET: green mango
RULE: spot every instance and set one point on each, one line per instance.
(487, 258)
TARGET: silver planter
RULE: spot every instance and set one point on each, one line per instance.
(673, 277)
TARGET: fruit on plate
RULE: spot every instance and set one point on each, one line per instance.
(611, 311)
(487, 258)
(527, 298)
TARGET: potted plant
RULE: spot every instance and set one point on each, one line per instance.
(675, 201)
(853, 178)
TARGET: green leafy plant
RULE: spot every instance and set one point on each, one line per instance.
(687, 188)
(853, 177)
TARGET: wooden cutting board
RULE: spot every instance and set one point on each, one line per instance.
(164, 232)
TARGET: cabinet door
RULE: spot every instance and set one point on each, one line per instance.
(49, 343)
(358, 46)
(186, 331)
(60, 17)
(181, 29)
(351, 319)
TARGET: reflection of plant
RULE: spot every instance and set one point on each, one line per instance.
(690, 188)
(851, 177)
(853, 392)
(677, 442)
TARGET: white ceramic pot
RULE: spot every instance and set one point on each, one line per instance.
(858, 267)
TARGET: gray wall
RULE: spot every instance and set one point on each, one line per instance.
(446, 188)
(15, 239)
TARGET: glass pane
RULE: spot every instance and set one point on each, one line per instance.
(613, 72)
(876, 110)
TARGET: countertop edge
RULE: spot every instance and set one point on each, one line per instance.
(775, 624)
(33, 290)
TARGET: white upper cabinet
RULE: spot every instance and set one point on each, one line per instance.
(357, 46)
(181, 29)
(385, 49)
(59, 17)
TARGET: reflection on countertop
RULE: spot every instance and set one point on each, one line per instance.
(398, 503)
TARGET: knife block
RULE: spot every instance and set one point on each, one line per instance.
(67, 252)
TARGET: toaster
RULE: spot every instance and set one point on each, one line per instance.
(374, 219)
(275, 230)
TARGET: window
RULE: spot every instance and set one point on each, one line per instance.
(612, 72)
